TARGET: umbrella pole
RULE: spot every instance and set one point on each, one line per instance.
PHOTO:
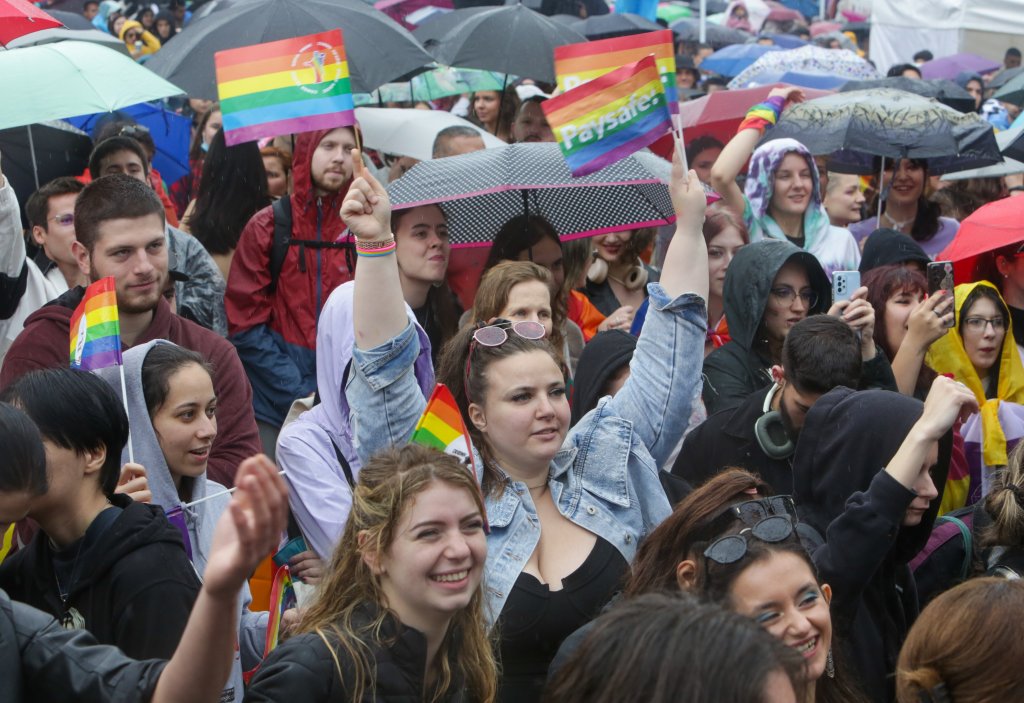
(703, 32)
(32, 151)
(881, 190)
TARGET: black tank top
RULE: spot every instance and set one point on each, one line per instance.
(535, 619)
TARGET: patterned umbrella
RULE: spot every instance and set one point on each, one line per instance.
(946, 92)
(808, 59)
(731, 60)
(482, 190)
(893, 124)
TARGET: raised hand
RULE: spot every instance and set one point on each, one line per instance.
(688, 197)
(947, 402)
(134, 483)
(928, 321)
(790, 94)
(367, 209)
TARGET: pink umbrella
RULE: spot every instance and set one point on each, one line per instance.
(780, 13)
(19, 17)
(819, 28)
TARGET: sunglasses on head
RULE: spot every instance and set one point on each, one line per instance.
(732, 548)
(751, 512)
(496, 334)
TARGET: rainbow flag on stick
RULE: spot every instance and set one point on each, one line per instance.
(95, 330)
(283, 87)
(576, 64)
(610, 117)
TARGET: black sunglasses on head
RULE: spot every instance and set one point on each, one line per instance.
(732, 548)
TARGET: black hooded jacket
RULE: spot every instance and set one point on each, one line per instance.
(601, 358)
(735, 370)
(131, 583)
(887, 246)
(842, 490)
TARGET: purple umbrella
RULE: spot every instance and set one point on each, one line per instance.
(951, 66)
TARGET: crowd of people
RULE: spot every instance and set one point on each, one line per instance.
(694, 473)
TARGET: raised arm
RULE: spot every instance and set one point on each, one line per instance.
(730, 162)
(926, 325)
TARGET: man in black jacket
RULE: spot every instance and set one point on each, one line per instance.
(820, 353)
(101, 562)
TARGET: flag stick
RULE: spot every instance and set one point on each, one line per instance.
(124, 398)
(677, 132)
(221, 493)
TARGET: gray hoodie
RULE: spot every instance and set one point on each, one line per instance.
(200, 520)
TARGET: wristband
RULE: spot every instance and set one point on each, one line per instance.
(764, 115)
(382, 247)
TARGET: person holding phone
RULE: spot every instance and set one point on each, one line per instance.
(980, 353)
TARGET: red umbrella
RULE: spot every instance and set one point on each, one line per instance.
(19, 17)
(990, 227)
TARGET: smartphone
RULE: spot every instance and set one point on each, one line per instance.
(940, 277)
(844, 285)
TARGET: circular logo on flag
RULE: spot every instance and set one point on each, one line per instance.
(316, 68)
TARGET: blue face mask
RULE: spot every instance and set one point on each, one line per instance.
(204, 146)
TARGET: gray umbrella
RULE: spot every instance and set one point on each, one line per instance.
(1004, 76)
(617, 24)
(377, 48)
(481, 191)
(945, 91)
(891, 124)
(716, 35)
(1012, 91)
(512, 39)
(430, 32)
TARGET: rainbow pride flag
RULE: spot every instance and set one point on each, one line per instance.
(441, 426)
(576, 64)
(283, 87)
(610, 117)
(95, 330)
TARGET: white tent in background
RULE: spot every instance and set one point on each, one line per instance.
(901, 28)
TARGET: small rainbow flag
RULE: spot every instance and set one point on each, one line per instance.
(441, 426)
(576, 64)
(610, 117)
(95, 330)
(283, 87)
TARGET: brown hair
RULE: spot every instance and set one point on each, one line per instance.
(38, 207)
(965, 641)
(1005, 503)
(195, 150)
(112, 197)
(387, 484)
(689, 529)
(273, 152)
(496, 287)
(718, 218)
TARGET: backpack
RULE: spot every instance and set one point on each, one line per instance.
(282, 209)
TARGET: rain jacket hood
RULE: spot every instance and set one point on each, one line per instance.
(760, 187)
(847, 439)
(304, 198)
(749, 282)
(948, 356)
(602, 357)
(888, 246)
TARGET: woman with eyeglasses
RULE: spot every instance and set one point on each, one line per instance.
(566, 508)
(769, 287)
(1004, 268)
(867, 475)
(980, 353)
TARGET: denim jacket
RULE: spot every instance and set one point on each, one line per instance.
(605, 476)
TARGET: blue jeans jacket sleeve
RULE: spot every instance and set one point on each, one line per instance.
(383, 393)
(665, 373)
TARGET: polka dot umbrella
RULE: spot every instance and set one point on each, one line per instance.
(482, 190)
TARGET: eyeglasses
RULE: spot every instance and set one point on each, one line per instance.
(730, 549)
(496, 334)
(64, 220)
(786, 295)
(978, 324)
(751, 512)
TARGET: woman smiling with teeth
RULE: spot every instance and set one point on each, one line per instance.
(566, 508)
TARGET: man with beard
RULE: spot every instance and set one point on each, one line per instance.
(119, 225)
(820, 353)
(531, 123)
(290, 256)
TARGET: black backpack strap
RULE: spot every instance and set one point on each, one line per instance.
(282, 209)
(344, 464)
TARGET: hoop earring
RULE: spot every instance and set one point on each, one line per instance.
(598, 271)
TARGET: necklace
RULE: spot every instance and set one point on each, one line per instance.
(539, 485)
(896, 224)
(65, 593)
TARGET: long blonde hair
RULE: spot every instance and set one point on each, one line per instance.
(387, 483)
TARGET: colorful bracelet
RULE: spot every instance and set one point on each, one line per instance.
(382, 247)
(764, 115)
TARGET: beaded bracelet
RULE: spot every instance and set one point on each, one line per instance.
(375, 248)
(763, 115)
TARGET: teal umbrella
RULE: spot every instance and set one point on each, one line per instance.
(63, 79)
(439, 83)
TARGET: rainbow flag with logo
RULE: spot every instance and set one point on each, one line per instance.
(610, 117)
(95, 330)
(575, 64)
(284, 87)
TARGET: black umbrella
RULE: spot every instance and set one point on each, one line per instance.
(1012, 91)
(945, 91)
(1004, 77)
(430, 32)
(38, 153)
(482, 190)
(71, 20)
(614, 25)
(377, 48)
(716, 35)
(512, 40)
(892, 124)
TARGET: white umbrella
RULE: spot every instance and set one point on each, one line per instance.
(411, 132)
(48, 36)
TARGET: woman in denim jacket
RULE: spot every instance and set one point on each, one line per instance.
(566, 509)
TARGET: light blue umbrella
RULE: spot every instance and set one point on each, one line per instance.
(731, 60)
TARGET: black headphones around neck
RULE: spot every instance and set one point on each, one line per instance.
(770, 430)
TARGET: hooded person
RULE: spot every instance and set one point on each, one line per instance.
(884, 247)
(273, 323)
(163, 26)
(834, 247)
(197, 522)
(866, 476)
(973, 84)
(138, 40)
(311, 450)
(1000, 394)
(602, 369)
